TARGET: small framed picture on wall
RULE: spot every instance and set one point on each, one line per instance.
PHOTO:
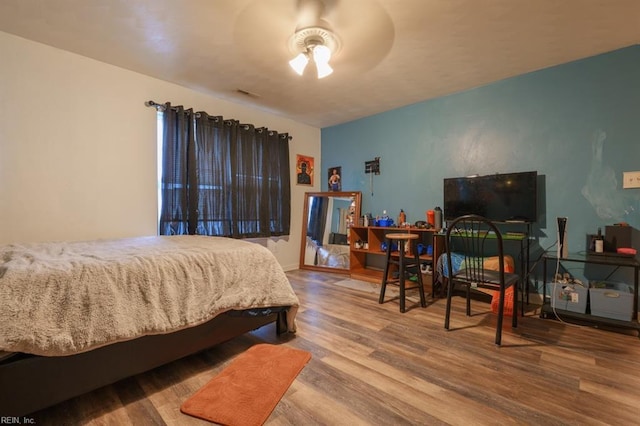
(304, 170)
(334, 178)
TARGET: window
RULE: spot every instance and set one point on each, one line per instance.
(220, 177)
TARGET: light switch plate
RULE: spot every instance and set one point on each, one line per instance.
(631, 179)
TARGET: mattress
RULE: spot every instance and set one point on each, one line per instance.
(65, 298)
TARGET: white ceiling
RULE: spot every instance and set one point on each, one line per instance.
(393, 52)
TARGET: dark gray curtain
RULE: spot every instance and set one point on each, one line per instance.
(238, 179)
(258, 159)
(178, 150)
(317, 218)
(214, 138)
(278, 196)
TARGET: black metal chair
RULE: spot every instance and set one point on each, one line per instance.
(473, 239)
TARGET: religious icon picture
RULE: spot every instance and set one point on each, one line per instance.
(335, 184)
(304, 170)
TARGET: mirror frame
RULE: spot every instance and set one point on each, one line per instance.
(357, 196)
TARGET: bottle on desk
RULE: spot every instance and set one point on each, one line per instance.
(402, 218)
(599, 242)
(437, 213)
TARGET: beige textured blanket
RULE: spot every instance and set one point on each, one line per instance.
(64, 298)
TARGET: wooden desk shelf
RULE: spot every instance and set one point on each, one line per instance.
(368, 264)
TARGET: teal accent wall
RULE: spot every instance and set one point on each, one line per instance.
(576, 124)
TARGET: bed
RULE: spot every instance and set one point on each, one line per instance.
(80, 315)
(334, 255)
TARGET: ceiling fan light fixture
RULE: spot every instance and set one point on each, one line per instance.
(299, 63)
(315, 43)
(324, 70)
(321, 56)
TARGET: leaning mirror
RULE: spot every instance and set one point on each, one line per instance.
(326, 221)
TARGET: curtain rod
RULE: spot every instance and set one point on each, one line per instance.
(162, 107)
(156, 105)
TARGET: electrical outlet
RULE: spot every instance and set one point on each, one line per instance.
(631, 179)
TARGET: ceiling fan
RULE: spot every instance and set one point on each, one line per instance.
(282, 30)
(313, 39)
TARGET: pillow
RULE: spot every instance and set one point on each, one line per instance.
(458, 260)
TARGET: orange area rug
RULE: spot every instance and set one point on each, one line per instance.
(249, 388)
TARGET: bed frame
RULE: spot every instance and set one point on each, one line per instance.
(29, 383)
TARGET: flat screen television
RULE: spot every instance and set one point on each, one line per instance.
(503, 197)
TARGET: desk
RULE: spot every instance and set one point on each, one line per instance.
(367, 264)
(607, 261)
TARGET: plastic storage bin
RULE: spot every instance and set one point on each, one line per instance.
(569, 297)
(384, 222)
(611, 300)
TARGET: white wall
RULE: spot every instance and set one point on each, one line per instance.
(78, 147)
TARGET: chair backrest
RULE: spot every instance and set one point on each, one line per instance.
(470, 240)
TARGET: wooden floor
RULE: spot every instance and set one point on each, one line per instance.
(372, 365)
